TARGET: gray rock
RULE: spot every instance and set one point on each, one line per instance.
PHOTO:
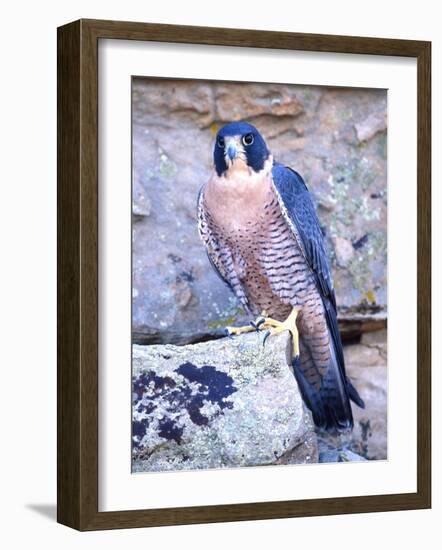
(362, 355)
(345, 455)
(374, 123)
(344, 251)
(370, 432)
(225, 403)
(378, 340)
(329, 454)
(334, 137)
(237, 101)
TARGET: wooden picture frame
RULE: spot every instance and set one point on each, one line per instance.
(77, 462)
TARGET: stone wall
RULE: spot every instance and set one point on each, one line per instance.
(334, 137)
(366, 364)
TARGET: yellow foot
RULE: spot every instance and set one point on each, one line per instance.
(276, 327)
(254, 326)
(273, 327)
(234, 331)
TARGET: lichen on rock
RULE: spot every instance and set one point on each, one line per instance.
(224, 403)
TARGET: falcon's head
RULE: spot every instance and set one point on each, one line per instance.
(239, 145)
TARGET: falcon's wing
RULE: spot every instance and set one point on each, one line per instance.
(297, 206)
(298, 210)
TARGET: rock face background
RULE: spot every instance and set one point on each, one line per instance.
(366, 364)
(336, 138)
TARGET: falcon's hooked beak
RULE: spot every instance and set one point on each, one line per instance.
(233, 150)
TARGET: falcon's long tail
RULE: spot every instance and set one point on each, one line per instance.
(329, 400)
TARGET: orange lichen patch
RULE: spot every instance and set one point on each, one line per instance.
(370, 296)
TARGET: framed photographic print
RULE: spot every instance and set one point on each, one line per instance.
(243, 275)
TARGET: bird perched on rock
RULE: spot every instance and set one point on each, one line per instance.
(258, 223)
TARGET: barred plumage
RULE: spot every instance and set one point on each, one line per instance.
(263, 237)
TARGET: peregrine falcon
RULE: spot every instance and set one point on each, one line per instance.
(258, 223)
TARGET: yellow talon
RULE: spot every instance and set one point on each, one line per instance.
(254, 325)
(276, 327)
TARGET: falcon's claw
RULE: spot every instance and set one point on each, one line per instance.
(272, 326)
(266, 335)
(260, 321)
(276, 327)
(257, 323)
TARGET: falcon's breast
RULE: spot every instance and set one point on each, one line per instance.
(251, 244)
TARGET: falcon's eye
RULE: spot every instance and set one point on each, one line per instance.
(220, 142)
(248, 139)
